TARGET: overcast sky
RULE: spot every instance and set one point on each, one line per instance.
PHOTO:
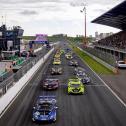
(55, 16)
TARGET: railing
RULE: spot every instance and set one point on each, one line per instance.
(9, 82)
(111, 48)
(108, 58)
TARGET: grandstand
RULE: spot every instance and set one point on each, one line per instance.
(116, 43)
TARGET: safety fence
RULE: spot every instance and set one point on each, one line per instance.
(106, 57)
(5, 75)
(10, 81)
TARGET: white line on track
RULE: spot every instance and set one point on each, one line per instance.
(103, 81)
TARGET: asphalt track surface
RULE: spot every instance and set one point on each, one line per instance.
(97, 107)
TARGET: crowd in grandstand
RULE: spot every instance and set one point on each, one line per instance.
(117, 40)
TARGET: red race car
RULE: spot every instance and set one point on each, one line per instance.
(51, 84)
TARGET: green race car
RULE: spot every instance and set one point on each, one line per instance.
(75, 86)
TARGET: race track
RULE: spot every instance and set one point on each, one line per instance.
(97, 107)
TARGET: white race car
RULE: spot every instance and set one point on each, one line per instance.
(121, 64)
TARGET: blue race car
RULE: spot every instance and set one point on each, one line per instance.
(45, 109)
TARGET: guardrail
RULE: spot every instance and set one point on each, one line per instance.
(106, 57)
(5, 75)
(110, 67)
(9, 82)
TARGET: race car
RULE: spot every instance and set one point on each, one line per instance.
(73, 63)
(69, 56)
(56, 70)
(79, 71)
(75, 86)
(84, 78)
(50, 84)
(57, 56)
(45, 109)
(59, 52)
(121, 64)
(56, 62)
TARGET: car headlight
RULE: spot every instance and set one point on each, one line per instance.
(37, 113)
(51, 117)
(36, 117)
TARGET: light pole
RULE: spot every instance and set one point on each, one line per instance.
(85, 25)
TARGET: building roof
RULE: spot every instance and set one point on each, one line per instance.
(116, 17)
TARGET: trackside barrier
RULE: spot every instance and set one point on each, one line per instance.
(14, 91)
(20, 62)
(10, 81)
(113, 69)
(5, 75)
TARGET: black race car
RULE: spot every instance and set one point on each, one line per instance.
(73, 63)
(56, 70)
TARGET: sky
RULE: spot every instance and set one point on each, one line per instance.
(55, 16)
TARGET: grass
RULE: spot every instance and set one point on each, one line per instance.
(96, 66)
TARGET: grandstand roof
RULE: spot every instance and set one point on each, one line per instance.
(116, 17)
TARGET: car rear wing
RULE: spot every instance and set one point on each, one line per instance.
(49, 98)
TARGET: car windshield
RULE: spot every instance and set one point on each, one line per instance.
(80, 69)
(56, 68)
(49, 81)
(80, 73)
(75, 85)
(121, 62)
(46, 106)
(56, 60)
(74, 80)
(44, 112)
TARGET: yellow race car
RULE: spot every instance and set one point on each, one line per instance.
(56, 62)
(57, 56)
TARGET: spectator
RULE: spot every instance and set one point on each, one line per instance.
(116, 41)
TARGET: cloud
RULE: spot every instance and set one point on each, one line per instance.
(100, 10)
(27, 1)
(64, 14)
(75, 3)
(28, 12)
(71, 2)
